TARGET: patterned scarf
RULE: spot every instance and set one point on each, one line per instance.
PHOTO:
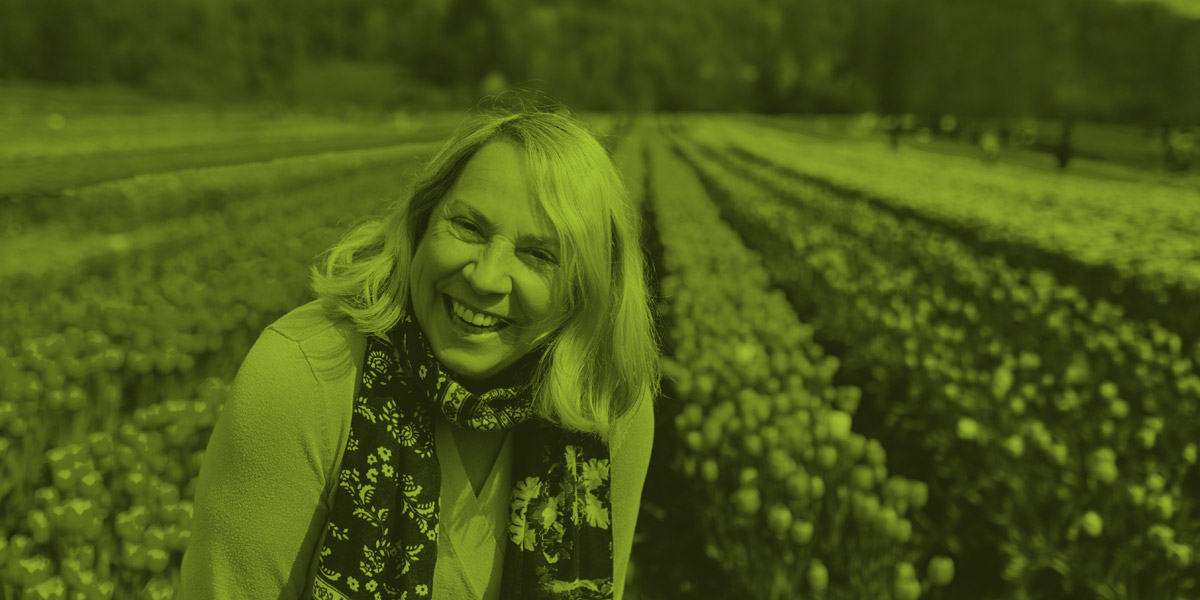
(381, 538)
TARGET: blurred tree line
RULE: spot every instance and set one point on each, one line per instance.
(1061, 59)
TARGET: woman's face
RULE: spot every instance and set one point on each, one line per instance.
(491, 256)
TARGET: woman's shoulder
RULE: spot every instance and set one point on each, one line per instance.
(332, 345)
(308, 321)
(636, 428)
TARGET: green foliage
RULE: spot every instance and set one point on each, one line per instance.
(1009, 58)
(982, 358)
(778, 461)
(114, 371)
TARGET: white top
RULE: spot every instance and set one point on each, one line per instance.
(478, 531)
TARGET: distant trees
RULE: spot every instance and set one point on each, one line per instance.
(1005, 59)
(188, 47)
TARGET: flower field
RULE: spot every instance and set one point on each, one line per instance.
(797, 504)
(128, 314)
(1055, 428)
(889, 376)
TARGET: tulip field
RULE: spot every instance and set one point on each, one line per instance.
(888, 375)
(980, 384)
(128, 305)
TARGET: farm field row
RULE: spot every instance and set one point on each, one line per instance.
(52, 139)
(39, 180)
(972, 367)
(1101, 150)
(42, 122)
(54, 240)
(792, 501)
(1136, 243)
(106, 408)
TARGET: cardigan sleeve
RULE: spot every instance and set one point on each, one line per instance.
(630, 454)
(258, 513)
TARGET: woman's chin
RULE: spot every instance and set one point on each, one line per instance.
(469, 368)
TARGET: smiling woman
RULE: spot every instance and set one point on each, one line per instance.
(466, 411)
(482, 275)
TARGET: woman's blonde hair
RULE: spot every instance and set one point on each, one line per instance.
(603, 360)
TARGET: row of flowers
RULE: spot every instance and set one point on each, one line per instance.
(991, 359)
(1144, 229)
(160, 213)
(111, 385)
(798, 502)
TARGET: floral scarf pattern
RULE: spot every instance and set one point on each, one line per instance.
(381, 539)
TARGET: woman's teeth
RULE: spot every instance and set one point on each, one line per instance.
(472, 317)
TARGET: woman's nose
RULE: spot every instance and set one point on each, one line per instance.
(488, 273)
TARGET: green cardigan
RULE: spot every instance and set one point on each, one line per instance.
(267, 481)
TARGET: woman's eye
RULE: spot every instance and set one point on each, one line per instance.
(466, 224)
(544, 256)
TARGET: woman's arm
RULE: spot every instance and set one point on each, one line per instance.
(258, 511)
(630, 461)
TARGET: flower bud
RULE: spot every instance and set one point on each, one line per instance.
(827, 457)
(1093, 525)
(780, 464)
(34, 570)
(157, 559)
(854, 447)
(1015, 445)
(1137, 494)
(1147, 437)
(1155, 482)
(39, 526)
(918, 493)
(754, 445)
(818, 575)
(798, 485)
(1180, 555)
(839, 425)
(801, 532)
(52, 587)
(1162, 535)
(779, 520)
(1119, 408)
(862, 477)
(1059, 452)
(907, 589)
(816, 487)
(968, 429)
(901, 532)
(876, 454)
(1165, 506)
(941, 570)
(1107, 473)
(747, 501)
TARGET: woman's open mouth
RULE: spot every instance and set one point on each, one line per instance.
(470, 322)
